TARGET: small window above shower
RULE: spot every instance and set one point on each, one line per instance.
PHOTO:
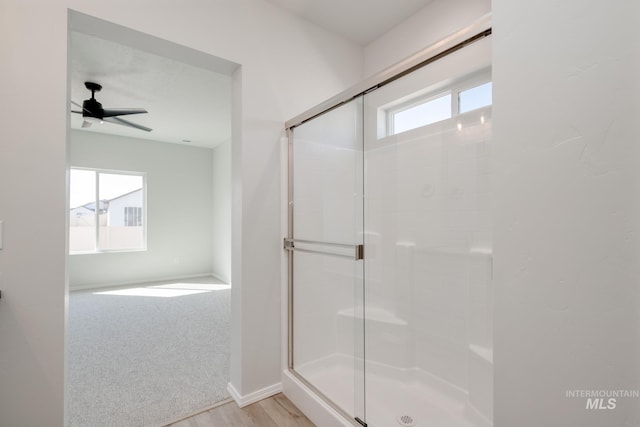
(420, 113)
(475, 97)
(435, 104)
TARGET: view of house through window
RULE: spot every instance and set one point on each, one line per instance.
(106, 211)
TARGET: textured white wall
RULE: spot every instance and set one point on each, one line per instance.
(179, 210)
(221, 256)
(566, 201)
(279, 54)
(435, 21)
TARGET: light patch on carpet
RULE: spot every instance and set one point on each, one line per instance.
(152, 292)
(195, 286)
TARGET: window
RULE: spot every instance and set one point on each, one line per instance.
(474, 98)
(132, 216)
(422, 110)
(425, 113)
(106, 211)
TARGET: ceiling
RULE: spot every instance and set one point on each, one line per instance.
(185, 104)
(361, 21)
(191, 105)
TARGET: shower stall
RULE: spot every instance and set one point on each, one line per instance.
(389, 242)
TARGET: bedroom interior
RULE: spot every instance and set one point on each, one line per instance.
(149, 301)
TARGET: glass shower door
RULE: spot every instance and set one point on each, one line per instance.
(325, 244)
(428, 244)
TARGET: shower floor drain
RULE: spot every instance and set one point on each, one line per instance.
(406, 421)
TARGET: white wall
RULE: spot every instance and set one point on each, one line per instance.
(179, 210)
(279, 54)
(221, 252)
(434, 22)
(566, 199)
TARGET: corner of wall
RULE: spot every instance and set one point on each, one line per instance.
(256, 396)
(435, 21)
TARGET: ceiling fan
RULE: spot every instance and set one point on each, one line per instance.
(92, 111)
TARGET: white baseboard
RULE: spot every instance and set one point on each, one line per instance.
(254, 397)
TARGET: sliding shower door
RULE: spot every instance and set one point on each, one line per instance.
(390, 243)
(325, 265)
(428, 244)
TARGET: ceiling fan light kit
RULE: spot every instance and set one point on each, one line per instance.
(92, 110)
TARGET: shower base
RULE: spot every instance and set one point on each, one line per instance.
(394, 397)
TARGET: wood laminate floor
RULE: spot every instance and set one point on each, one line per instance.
(276, 411)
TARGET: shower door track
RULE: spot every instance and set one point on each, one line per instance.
(477, 31)
(456, 41)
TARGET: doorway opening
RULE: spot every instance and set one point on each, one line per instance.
(149, 268)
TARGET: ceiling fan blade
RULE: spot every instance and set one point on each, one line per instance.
(112, 112)
(86, 124)
(77, 112)
(119, 121)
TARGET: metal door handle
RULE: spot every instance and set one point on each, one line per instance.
(358, 250)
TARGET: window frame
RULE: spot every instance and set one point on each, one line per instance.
(97, 249)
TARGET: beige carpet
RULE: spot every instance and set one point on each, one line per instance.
(148, 355)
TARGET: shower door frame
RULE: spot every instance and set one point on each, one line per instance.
(477, 31)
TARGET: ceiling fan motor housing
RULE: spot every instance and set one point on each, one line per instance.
(92, 108)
